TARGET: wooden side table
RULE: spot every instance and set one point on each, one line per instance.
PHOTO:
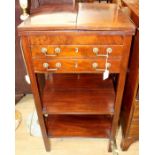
(69, 56)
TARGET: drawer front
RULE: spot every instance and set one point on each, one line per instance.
(78, 51)
(75, 65)
(75, 38)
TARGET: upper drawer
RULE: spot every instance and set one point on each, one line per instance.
(42, 51)
(68, 38)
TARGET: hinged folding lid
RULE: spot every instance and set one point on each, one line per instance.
(87, 16)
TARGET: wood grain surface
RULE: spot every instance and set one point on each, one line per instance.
(74, 38)
(76, 65)
(76, 51)
(107, 17)
(65, 146)
(78, 126)
(78, 94)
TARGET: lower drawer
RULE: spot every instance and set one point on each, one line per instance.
(75, 65)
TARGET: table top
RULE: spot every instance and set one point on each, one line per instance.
(87, 16)
(102, 17)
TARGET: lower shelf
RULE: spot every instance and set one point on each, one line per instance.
(94, 126)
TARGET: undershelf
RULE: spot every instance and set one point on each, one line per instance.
(78, 94)
(78, 126)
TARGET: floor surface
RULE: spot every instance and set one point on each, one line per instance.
(29, 145)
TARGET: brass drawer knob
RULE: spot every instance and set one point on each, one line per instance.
(45, 65)
(95, 50)
(76, 65)
(44, 50)
(58, 65)
(109, 50)
(76, 50)
(108, 65)
(57, 50)
(95, 65)
(46, 115)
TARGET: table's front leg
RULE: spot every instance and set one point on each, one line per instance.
(35, 89)
(120, 87)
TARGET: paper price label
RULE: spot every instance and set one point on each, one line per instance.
(105, 74)
(27, 79)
